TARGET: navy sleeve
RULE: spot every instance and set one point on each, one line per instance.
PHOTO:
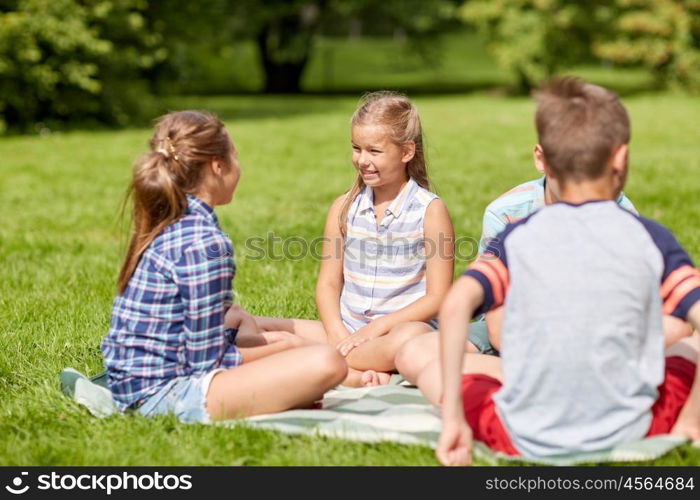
(680, 281)
(491, 271)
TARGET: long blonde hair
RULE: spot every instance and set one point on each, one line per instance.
(183, 144)
(399, 116)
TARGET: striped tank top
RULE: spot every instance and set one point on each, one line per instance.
(383, 265)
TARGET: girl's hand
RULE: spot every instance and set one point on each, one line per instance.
(364, 334)
(335, 337)
(455, 444)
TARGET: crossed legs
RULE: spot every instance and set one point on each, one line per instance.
(369, 363)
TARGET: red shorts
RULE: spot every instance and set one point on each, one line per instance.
(673, 393)
(480, 410)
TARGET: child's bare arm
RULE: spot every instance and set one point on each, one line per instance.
(330, 276)
(688, 422)
(454, 447)
(248, 334)
(675, 329)
(233, 316)
(247, 324)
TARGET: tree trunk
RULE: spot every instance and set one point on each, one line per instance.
(284, 46)
(280, 77)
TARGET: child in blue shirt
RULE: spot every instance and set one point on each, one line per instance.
(523, 200)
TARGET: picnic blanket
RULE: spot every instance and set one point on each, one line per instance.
(392, 412)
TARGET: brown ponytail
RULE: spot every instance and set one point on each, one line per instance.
(182, 145)
(400, 117)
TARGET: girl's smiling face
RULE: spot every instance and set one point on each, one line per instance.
(378, 159)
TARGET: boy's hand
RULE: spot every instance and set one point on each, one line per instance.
(367, 332)
(455, 444)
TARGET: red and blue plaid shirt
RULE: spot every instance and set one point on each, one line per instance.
(169, 322)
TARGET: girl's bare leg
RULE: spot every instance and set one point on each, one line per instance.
(289, 379)
(430, 379)
(375, 358)
(417, 353)
(306, 328)
(378, 354)
(310, 330)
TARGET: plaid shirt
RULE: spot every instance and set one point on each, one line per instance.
(169, 322)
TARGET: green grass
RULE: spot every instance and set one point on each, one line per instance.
(61, 245)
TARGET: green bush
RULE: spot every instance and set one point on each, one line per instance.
(534, 39)
(660, 35)
(74, 60)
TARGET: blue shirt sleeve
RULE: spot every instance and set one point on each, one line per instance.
(204, 276)
(625, 203)
(492, 225)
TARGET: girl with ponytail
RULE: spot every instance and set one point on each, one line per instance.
(170, 346)
(388, 246)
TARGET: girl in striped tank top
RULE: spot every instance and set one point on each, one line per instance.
(388, 247)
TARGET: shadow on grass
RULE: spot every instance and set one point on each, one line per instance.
(256, 105)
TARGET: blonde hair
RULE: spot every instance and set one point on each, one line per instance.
(399, 116)
(182, 145)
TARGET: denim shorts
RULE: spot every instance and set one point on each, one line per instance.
(478, 335)
(185, 397)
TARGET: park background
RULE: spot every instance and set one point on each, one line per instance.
(82, 80)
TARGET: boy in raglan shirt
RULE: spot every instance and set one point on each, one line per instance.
(584, 284)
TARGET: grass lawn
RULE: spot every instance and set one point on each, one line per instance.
(61, 244)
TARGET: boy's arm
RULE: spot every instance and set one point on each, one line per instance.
(330, 277)
(466, 295)
(688, 422)
(494, 320)
(675, 329)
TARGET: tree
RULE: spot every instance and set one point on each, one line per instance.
(660, 35)
(284, 30)
(72, 59)
(535, 38)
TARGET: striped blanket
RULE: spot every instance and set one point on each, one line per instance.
(386, 413)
